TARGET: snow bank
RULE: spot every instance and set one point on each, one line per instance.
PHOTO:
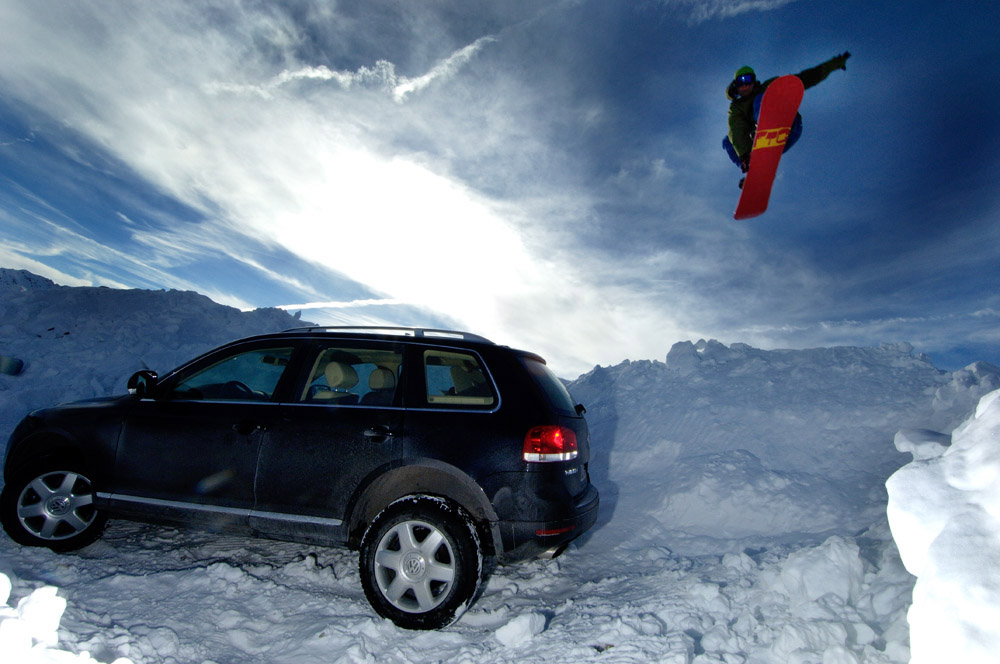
(78, 343)
(739, 488)
(726, 446)
(29, 633)
(944, 511)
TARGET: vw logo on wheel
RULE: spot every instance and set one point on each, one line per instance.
(413, 566)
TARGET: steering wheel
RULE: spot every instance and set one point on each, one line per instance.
(237, 389)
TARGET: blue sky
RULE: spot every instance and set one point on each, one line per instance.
(547, 174)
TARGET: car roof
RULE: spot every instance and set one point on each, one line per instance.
(398, 334)
(391, 332)
(383, 333)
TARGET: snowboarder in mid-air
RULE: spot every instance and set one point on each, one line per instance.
(746, 92)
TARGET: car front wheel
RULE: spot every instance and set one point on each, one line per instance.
(421, 562)
(51, 506)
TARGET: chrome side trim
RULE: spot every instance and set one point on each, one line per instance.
(159, 502)
(237, 511)
(297, 518)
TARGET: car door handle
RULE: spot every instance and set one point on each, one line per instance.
(378, 432)
(247, 428)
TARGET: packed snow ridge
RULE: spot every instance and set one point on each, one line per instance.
(743, 516)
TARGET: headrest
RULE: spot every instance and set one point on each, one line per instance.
(382, 379)
(340, 375)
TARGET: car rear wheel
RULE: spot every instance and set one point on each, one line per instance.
(421, 562)
(52, 506)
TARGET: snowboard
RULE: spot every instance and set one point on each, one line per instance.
(777, 112)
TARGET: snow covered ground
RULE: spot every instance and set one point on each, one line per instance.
(743, 516)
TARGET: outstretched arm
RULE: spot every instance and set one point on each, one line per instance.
(814, 75)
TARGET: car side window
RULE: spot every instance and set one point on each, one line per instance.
(348, 376)
(454, 378)
(247, 376)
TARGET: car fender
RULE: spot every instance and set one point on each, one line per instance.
(428, 477)
(41, 445)
(85, 430)
(48, 441)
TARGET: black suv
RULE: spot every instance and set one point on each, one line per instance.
(425, 449)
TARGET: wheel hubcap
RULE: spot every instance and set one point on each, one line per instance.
(56, 505)
(415, 566)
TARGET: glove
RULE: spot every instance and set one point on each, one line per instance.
(745, 163)
(840, 61)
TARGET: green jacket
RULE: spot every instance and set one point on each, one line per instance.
(741, 122)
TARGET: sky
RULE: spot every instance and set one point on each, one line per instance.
(546, 174)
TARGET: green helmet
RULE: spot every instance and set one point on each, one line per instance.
(748, 76)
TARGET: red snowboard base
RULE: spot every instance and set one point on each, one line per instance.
(777, 112)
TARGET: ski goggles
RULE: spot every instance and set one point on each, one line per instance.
(745, 79)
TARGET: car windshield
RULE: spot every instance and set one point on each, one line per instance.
(247, 376)
(554, 389)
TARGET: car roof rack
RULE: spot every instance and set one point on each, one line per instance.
(431, 333)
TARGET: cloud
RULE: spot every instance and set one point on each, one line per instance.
(317, 172)
(500, 184)
(381, 76)
(341, 305)
(705, 10)
(11, 258)
(101, 264)
(443, 70)
(463, 202)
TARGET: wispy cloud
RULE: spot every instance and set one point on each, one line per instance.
(342, 305)
(443, 70)
(30, 138)
(51, 240)
(705, 10)
(381, 76)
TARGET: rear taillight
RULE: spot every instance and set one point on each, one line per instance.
(550, 443)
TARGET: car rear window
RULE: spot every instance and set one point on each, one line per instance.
(457, 379)
(554, 389)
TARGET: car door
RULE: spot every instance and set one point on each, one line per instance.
(452, 401)
(190, 453)
(342, 427)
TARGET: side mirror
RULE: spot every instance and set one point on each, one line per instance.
(142, 383)
(580, 410)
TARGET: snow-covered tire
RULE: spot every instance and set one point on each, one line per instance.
(421, 562)
(51, 505)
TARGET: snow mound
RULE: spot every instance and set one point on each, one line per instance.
(727, 445)
(24, 280)
(833, 569)
(733, 496)
(82, 342)
(521, 629)
(29, 632)
(944, 511)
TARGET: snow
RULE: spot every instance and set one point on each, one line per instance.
(743, 517)
(944, 509)
(29, 633)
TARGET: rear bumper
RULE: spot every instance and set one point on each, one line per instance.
(522, 540)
